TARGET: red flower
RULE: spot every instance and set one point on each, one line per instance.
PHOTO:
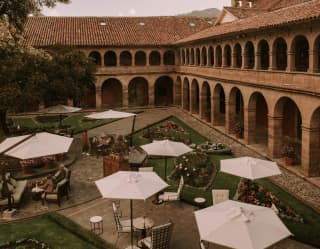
(252, 192)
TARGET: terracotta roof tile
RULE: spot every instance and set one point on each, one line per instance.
(118, 31)
(277, 4)
(244, 12)
(297, 13)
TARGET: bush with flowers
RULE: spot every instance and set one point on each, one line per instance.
(168, 130)
(212, 148)
(253, 193)
(195, 167)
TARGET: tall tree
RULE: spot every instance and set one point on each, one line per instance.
(14, 13)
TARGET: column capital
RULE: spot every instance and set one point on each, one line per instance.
(275, 117)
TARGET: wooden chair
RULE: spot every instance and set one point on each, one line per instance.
(219, 195)
(173, 196)
(160, 237)
(61, 190)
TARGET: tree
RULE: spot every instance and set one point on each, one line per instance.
(14, 13)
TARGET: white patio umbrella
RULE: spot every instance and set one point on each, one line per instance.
(130, 185)
(61, 109)
(240, 225)
(35, 145)
(114, 114)
(249, 167)
(166, 148)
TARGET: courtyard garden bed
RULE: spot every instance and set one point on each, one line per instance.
(54, 230)
(306, 232)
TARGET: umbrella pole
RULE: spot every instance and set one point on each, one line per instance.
(132, 129)
(131, 218)
(165, 169)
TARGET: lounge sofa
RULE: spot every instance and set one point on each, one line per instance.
(17, 188)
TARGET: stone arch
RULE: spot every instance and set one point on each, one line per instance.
(211, 56)
(257, 122)
(219, 106)
(280, 53)
(288, 126)
(96, 57)
(263, 51)
(140, 58)
(88, 99)
(198, 57)
(138, 94)
(163, 91)
(204, 56)
(235, 111)
(227, 55)
(169, 57)
(219, 56)
(192, 56)
(238, 55)
(311, 156)
(249, 55)
(316, 50)
(155, 58)
(177, 92)
(183, 57)
(186, 94)
(300, 48)
(205, 102)
(125, 58)
(195, 97)
(110, 59)
(111, 93)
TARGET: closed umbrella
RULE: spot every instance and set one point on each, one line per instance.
(249, 167)
(36, 145)
(240, 225)
(132, 186)
(166, 148)
(114, 114)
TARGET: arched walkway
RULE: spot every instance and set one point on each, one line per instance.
(155, 58)
(169, 58)
(249, 55)
(96, 57)
(183, 57)
(110, 59)
(227, 56)
(192, 56)
(177, 92)
(257, 121)
(186, 94)
(140, 58)
(125, 59)
(198, 57)
(300, 46)
(219, 56)
(316, 50)
(88, 99)
(311, 155)
(138, 92)
(210, 57)
(111, 93)
(163, 91)
(235, 112)
(280, 54)
(205, 102)
(204, 56)
(238, 56)
(219, 106)
(263, 51)
(195, 97)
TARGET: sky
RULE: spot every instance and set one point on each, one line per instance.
(132, 7)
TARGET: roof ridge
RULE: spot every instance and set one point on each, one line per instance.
(294, 6)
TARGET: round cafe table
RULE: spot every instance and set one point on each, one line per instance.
(143, 224)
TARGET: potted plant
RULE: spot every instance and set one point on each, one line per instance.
(238, 130)
(289, 154)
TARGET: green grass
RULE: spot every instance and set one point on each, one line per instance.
(307, 232)
(77, 122)
(54, 230)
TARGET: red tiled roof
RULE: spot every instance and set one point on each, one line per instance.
(118, 31)
(244, 12)
(297, 13)
(277, 4)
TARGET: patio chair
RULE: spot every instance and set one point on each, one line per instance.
(61, 190)
(160, 237)
(219, 195)
(173, 196)
(146, 169)
(122, 225)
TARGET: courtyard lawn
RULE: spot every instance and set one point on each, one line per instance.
(77, 123)
(307, 232)
(54, 230)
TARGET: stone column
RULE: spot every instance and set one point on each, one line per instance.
(202, 99)
(244, 61)
(102, 60)
(233, 60)
(291, 61)
(215, 58)
(275, 136)
(249, 125)
(312, 61)
(98, 97)
(310, 156)
(151, 95)
(272, 60)
(257, 60)
(213, 120)
(224, 59)
(125, 97)
(230, 116)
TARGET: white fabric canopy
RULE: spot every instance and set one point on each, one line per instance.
(61, 109)
(240, 225)
(130, 185)
(166, 148)
(110, 114)
(249, 167)
(38, 145)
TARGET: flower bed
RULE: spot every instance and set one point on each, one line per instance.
(196, 169)
(253, 193)
(169, 130)
(212, 148)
